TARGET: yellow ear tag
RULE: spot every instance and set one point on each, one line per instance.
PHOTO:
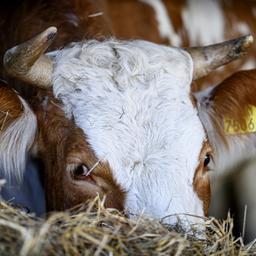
(232, 127)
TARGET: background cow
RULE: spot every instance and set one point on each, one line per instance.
(82, 19)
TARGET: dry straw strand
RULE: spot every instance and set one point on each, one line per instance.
(94, 230)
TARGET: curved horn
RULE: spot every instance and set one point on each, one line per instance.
(208, 58)
(27, 62)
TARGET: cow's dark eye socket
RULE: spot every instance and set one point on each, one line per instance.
(81, 170)
(207, 160)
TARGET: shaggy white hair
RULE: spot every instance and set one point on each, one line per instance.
(15, 142)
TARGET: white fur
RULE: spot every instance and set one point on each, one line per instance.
(204, 21)
(242, 27)
(16, 141)
(249, 64)
(132, 100)
(165, 26)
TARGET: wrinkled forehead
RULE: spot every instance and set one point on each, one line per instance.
(105, 85)
(121, 64)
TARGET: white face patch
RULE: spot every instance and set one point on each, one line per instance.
(132, 100)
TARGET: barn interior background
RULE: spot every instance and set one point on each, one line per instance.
(177, 23)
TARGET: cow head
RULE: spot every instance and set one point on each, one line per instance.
(119, 120)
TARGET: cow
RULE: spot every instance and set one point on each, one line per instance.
(188, 22)
(117, 118)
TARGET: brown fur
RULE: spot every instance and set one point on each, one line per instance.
(201, 181)
(67, 145)
(124, 17)
(10, 106)
(232, 97)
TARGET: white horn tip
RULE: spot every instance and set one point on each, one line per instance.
(49, 34)
(51, 30)
(248, 41)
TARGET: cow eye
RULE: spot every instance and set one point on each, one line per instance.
(80, 170)
(207, 160)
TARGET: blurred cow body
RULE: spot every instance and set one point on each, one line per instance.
(56, 111)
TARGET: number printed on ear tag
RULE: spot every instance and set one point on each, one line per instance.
(248, 125)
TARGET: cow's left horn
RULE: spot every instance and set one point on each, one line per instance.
(27, 61)
(208, 58)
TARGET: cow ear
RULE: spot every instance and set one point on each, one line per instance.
(228, 113)
(17, 131)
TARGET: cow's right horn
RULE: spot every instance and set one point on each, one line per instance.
(27, 61)
(208, 58)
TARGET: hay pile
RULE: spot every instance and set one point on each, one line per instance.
(98, 231)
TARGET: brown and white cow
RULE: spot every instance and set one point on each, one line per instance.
(116, 117)
(183, 23)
